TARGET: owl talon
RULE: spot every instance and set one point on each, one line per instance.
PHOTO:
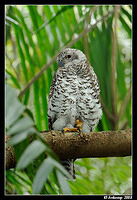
(66, 129)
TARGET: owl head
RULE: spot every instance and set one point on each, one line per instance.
(70, 55)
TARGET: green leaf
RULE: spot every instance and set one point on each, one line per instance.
(50, 186)
(60, 25)
(12, 20)
(14, 108)
(21, 53)
(64, 8)
(126, 13)
(21, 136)
(21, 125)
(37, 105)
(120, 76)
(29, 38)
(65, 188)
(42, 174)
(14, 79)
(30, 153)
(125, 25)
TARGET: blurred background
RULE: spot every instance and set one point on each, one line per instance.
(34, 34)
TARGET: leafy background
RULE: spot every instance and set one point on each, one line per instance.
(34, 35)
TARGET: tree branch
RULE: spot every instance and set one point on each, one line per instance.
(86, 145)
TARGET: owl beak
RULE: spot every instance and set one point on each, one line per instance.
(61, 63)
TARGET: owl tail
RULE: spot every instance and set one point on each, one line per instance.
(69, 166)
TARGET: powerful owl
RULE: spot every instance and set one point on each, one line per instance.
(74, 103)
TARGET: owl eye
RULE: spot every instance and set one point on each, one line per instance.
(68, 56)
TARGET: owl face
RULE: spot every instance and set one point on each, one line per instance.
(70, 55)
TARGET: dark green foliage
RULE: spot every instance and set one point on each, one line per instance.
(34, 34)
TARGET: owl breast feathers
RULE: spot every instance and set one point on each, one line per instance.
(74, 93)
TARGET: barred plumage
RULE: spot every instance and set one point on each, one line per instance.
(74, 94)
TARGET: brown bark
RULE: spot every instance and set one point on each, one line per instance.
(9, 154)
(87, 145)
(94, 144)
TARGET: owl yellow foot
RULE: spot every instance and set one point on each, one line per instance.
(66, 129)
(77, 128)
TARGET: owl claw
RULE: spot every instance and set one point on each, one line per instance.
(66, 129)
(77, 128)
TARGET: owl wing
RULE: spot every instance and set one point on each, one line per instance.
(51, 91)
